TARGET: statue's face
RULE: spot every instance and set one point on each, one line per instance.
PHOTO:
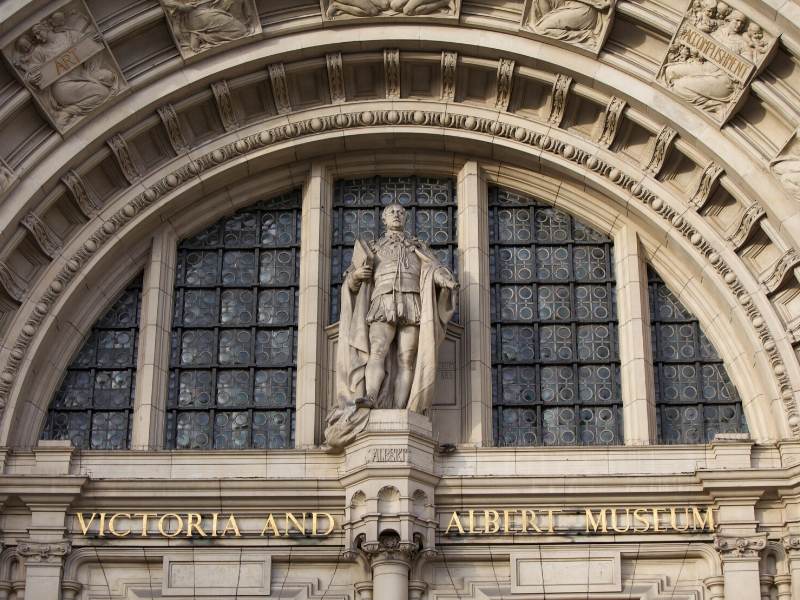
(394, 217)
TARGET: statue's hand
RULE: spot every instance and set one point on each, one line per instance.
(362, 274)
(444, 279)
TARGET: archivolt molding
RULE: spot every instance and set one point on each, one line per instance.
(511, 140)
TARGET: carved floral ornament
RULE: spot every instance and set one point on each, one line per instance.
(344, 9)
(110, 228)
(66, 65)
(712, 58)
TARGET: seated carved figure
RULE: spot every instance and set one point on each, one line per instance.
(374, 8)
(200, 24)
(698, 81)
(577, 21)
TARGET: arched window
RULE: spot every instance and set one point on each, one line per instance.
(234, 331)
(357, 206)
(555, 359)
(93, 404)
(695, 399)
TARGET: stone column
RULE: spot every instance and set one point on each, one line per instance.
(473, 252)
(152, 368)
(740, 565)
(43, 561)
(635, 351)
(314, 290)
(784, 585)
(792, 545)
(70, 590)
(716, 587)
(390, 561)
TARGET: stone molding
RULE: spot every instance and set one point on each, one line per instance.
(522, 135)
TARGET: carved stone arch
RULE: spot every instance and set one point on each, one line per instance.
(515, 152)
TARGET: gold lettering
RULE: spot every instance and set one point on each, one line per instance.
(697, 519)
(550, 520)
(232, 525)
(529, 518)
(66, 61)
(491, 518)
(472, 521)
(177, 531)
(214, 523)
(614, 525)
(270, 524)
(506, 521)
(111, 528)
(101, 530)
(291, 519)
(83, 524)
(454, 522)
(193, 521)
(637, 515)
(655, 512)
(599, 523)
(673, 519)
(315, 521)
(145, 524)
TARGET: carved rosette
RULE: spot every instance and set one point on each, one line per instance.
(584, 27)
(740, 547)
(44, 552)
(791, 543)
(713, 57)
(66, 65)
(198, 26)
(336, 10)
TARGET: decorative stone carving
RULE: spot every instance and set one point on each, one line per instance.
(611, 121)
(199, 25)
(338, 9)
(227, 111)
(119, 147)
(397, 300)
(771, 280)
(576, 23)
(740, 547)
(11, 283)
(449, 71)
(280, 89)
(44, 551)
(791, 543)
(751, 216)
(706, 185)
(659, 150)
(558, 99)
(66, 65)
(45, 238)
(173, 126)
(7, 177)
(713, 57)
(391, 69)
(505, 83)
(336, 77)
(786, 166)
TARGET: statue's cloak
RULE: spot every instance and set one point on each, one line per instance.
(347, 419)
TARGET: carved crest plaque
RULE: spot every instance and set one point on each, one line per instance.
(713, 57)
(65, 63)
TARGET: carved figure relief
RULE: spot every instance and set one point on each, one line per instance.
(713, 56)
(64, 62)
(333, 9)
(397, 300)
(582, 23)
(198, 25)
(786, 166)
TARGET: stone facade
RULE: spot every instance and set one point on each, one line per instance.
(668, 130)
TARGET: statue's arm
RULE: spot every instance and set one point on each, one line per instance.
(442, 276)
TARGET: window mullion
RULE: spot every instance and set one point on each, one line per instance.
(635, 348)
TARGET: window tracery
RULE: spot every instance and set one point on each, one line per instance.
(232, 375)
(94, 403)
(555, 364)
(695, 398)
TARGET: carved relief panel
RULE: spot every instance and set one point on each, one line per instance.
(348, 9)
(713, 57)
(582, 24)
(786, 166)
(65, 63)
(199, 25)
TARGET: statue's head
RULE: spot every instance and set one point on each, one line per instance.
(394, 217)
(738, 21)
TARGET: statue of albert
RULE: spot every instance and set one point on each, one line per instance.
(397, 299)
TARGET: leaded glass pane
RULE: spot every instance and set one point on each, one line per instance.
(554, 330)
(93, 404)
(695, 398)
(233, 363)
(357, 207)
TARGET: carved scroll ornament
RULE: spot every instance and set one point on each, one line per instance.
(66, 65)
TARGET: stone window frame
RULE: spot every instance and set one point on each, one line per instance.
(314, 348)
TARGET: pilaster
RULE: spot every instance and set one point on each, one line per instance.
(791, 543)
(740, 565)
(473, 250)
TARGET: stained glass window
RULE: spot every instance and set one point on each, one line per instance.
(232, 376)
(555, 364)
(695, 399)
(357, 207)
(93, 405)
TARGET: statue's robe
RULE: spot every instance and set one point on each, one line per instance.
(347, 420)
